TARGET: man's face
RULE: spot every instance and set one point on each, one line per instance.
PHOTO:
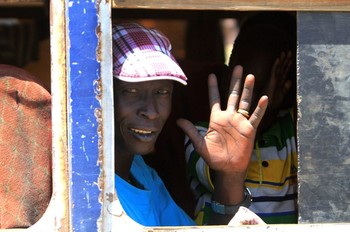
(141, 110)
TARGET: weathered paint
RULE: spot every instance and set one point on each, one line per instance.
(59, 206)
(83, 98)
(324, 117)
(106, 133)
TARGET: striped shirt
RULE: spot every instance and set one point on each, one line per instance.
(271, 176)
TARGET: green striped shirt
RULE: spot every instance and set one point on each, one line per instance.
(271, 176)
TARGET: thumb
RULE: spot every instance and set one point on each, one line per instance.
(191, 131)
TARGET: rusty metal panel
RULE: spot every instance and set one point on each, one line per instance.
(59, 207)
(249, 5)
(324, 116)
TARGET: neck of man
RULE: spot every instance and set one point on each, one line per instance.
(123, 164)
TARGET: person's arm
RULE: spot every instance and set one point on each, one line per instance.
(229, 141)
(229, 192)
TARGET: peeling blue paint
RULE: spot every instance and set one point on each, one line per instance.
(83, 71)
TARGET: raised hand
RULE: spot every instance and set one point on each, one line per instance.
(279, 84)
(229, 141)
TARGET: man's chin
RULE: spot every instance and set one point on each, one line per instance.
(145, 150)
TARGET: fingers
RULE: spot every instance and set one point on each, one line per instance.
(276, 68)
(259, 112)
(282, 66)
(247, 93)
(280, 84)
(235, 88)
(245, 216)
(286, 87)
(284, 83)
(191, 131)
(287, 62)
(236, 100)
(214, 95)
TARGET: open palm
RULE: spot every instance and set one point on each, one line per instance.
(229, 141)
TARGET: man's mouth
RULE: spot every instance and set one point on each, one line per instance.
(144, 135)
(138, 131)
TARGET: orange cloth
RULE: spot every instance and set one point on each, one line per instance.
(25, 148)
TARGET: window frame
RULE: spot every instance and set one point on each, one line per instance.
(59, 215)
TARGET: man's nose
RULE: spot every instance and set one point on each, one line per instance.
(149, 108)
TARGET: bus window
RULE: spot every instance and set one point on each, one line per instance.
(140, 16)
(82, 113)
(198, 36)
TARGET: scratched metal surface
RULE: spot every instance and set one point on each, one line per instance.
(324, 117)
(83, 106)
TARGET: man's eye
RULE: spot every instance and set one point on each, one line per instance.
(130, 90)
(163, 91)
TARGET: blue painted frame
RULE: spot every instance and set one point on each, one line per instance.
(83, 139)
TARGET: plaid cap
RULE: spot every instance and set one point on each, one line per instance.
(141, 54)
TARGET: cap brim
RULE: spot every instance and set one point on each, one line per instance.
(149, 66)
